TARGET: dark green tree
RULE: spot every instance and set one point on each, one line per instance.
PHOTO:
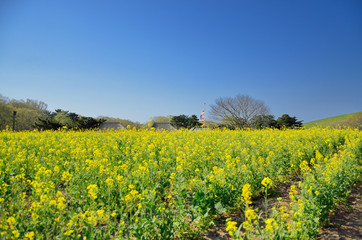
(286, 121)
(264, 121)
(179, 121)
(184, 121)
(89, 122)
(61, 118)
(193, 121)
(47, 121)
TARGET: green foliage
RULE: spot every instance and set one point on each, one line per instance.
(183, 121)
(124, 122)
(25, 118)
(232, 123)
(5, 115)
(325, 179)
(162, 119)
(28, 112)
(168, 185)
(225, 126)
(211, 125)
(264, 121)
(61, 118)
(286, 121)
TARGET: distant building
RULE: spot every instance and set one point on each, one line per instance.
(111, 126)
(163, 126)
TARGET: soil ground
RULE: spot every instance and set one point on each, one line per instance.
(219, 232)
(345, 221)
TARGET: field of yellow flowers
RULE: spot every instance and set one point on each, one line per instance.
(145, 184)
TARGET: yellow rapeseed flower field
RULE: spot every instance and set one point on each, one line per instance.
(145, 184)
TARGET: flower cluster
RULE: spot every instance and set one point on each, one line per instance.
(148, 184)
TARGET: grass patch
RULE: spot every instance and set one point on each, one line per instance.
(325, 122)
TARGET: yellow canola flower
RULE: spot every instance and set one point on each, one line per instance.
(109, 182)
(16, 233)
(250, 215)
(44, 198)
(172, 176)
(29, 236)
(61, 203)
(66, 176)
(100, 213)
(270, 224)
(267, 182)
(231, 227)
(41, 163)
(68, 232)
(92, 220)
(246, 194)
(11, 221)
(92, 191)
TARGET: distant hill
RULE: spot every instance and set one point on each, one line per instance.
(335, 121)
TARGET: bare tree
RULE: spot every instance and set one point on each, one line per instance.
(237, 111)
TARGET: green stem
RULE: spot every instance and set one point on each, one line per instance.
(266, 203)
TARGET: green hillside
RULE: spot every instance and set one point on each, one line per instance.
(325, 122)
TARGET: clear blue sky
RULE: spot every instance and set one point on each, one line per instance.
(140, 59)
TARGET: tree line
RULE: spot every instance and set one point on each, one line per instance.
(26, 113)
(65, 119)
(267, 121)
(33, 114)
(256, 122)
(243, 111)
(237, 112)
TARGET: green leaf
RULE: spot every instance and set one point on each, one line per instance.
(219, 208)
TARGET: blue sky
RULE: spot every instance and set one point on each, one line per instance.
(140, 59)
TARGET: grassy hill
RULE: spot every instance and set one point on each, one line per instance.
(325, 122)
